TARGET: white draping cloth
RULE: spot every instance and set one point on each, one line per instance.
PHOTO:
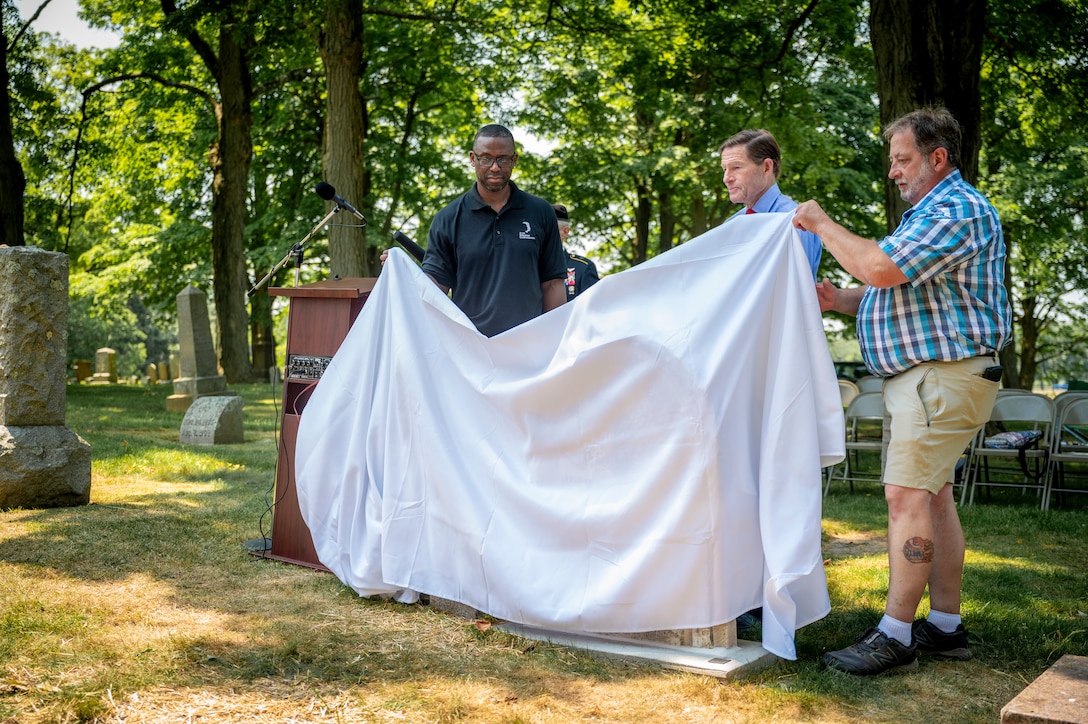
(645, 457)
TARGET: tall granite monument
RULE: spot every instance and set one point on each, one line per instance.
(198, 373)
(43, 464)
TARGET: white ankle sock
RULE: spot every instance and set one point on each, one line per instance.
(895, 629)
(946, 622)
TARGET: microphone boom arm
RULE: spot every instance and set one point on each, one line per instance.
(295, 252)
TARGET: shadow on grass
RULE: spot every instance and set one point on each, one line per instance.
(163, 541)
(165, 533)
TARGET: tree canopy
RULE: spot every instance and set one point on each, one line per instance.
(189, 153)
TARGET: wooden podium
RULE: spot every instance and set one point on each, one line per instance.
(318, 319)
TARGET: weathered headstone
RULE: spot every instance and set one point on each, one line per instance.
(105, 367)
(152, 373)
(43, 464)
(213, 420)
(164, 371)
(198, 369)
(175, 365)
(82, 368)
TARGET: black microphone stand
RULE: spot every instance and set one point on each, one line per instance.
(295, 252)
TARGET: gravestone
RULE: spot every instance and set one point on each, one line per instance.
(164, 371)
(105, 367)
(82, 368)
(198, 369)
(213, 420)
(43, 464)
(175, 363)
(152, 373)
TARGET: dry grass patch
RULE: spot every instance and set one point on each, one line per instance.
(145, 607)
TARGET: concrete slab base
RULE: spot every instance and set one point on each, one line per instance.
(1058, 696)
(735, 662)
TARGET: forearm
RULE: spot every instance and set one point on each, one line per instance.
(863, 258)
(555, 294)
(849, 300)
(443, 287)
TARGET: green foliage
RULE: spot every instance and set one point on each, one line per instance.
(1035, 169)
(631, 97)
(91, 328)
(637, 106)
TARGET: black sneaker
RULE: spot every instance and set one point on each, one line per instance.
(931, 640)
(750, 620)
(872, 654)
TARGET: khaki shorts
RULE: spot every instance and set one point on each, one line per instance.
(931, 414)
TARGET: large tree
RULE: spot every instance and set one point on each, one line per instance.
(227, 60)
(225, 41)
(929, 52)
(12, 181)
(404, 82)
(343, 160)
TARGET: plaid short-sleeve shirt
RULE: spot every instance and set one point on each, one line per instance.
(954, 305)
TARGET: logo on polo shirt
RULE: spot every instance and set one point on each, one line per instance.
(528, 233)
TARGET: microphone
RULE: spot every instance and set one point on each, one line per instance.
(327, 192)
(410, 246)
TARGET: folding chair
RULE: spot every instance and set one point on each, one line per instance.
(870, 383)
(864, 427)
(848, 391)
(1070, 448)
(1019, 468)
(1066, 398)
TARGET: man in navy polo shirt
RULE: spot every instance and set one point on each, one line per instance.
(497, 247)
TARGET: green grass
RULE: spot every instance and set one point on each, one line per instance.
(144, 606)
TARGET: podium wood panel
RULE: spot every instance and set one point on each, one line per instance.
(319, 317)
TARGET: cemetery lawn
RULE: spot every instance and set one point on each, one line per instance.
(145, 606)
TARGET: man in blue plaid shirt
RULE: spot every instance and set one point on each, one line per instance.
(931, 316)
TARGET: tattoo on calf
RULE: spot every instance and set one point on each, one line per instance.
(918, 550)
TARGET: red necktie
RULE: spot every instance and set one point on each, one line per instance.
(750, 210)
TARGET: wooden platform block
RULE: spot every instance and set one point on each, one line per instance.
(710, 651)
(1058, 696)
(733, 662)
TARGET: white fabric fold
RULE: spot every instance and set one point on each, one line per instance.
(645, 457)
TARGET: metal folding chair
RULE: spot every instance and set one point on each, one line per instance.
(1069, 451)
(864, 427)
(1007, 467)
(870, 383)
(848, 391)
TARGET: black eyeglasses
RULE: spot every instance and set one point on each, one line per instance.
(489, 161)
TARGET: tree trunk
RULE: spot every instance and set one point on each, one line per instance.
(12, 181)
(1029, 338)
(261, 334)
(262, 338)
(929, 52)
(230, 159)
(642, 224)
(666, 221)
(345, 133)
(1010, 374)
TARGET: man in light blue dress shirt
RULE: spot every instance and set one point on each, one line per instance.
(751, 162)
